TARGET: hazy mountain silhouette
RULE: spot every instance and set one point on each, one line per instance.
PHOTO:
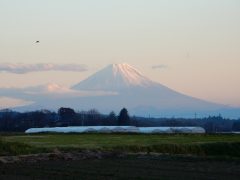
(142, 95)
(127, 87)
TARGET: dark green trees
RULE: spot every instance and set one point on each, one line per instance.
(123, 118)
(112, 116)
(67, 116)
(236, 126)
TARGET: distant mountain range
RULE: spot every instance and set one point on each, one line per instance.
(117, 86)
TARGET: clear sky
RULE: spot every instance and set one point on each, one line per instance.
(194, 45)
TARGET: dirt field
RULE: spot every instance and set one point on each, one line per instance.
(119, 156)
(127, 167)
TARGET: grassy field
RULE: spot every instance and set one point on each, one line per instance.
(204, 145)
(151, 156)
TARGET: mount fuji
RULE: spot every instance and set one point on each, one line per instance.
(115, 77)
(121, 85)
(143, 96)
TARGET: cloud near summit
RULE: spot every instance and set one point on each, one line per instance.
(20, 68)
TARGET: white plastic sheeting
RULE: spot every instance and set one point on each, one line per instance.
(115, 129)
(83, 129)
(195, 130)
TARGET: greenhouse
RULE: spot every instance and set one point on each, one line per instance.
(117, 129)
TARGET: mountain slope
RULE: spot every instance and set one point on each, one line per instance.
(141, 95)
(114, 77)
(121, 85)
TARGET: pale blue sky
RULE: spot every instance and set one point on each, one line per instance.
(198, 41)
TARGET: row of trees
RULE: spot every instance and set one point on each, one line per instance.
(15, 121)
(68, 116)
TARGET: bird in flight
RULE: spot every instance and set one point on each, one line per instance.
(37, 42)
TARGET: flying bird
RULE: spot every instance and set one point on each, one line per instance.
(37, 42)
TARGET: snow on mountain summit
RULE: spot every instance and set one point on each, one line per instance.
(114, 77)
(117, 86)
(129, 74)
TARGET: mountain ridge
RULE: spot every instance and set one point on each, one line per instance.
(127, 87)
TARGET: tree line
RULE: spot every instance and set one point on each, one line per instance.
(16, 121)
(19, 122)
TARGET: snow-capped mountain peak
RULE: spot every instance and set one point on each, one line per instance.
(117, 86)
(129, 74)
(114, 77)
